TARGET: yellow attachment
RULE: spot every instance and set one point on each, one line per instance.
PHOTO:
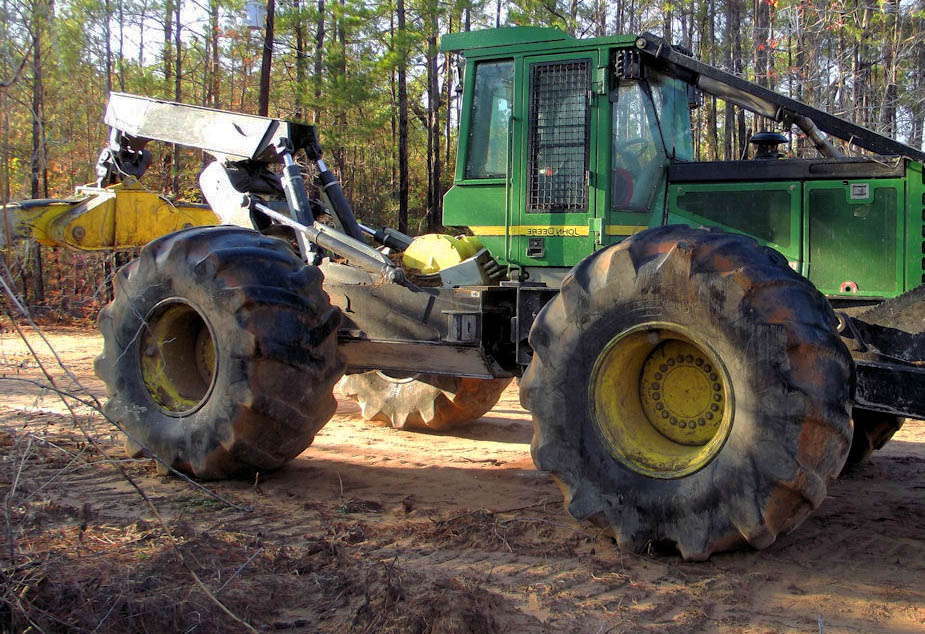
(661, 400)
(177, 357)
(118, 216)
(433, 252)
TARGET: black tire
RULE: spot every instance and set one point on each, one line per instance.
(423, 402)
(785, 429)
(872, 430)
(220, 352)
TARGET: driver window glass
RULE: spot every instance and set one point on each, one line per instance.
(491, 114)
(674, 114)
(637, 161)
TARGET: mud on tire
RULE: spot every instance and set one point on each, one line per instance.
(782, 381)
(872, 430)
(422, 402)
(220, 352)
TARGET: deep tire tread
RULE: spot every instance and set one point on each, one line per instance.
(429, 403)
(872, 430)
(275, 335)
(778, 481)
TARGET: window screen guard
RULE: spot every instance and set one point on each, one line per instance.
(559, 136)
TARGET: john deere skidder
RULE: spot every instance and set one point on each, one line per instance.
(673, 322)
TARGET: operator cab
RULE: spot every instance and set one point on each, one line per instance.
(567, 145)
(564, 145)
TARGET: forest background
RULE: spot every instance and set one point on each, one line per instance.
(369, 75)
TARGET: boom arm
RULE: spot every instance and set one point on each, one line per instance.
(243, 146)
(767, 103)
(125, 214)
(229, 136)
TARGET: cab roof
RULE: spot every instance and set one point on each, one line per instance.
(476, 42)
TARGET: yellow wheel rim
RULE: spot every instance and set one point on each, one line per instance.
(177, 357)
(661, 400)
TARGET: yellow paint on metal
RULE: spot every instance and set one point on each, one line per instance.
(681, 394)
(470, 245)
(177, 357)
(639, 400)
(624, 230)
(118, 216)
(554, 231)
(542, 231)
(433, 252)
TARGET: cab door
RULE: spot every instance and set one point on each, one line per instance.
(556, 196)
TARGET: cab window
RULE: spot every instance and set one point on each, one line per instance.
(637, 160)
(674, 115)
(491, 115)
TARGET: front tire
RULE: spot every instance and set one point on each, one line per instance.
(220, 352)
(649, 338)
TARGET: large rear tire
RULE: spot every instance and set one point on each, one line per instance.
(688, 389)
(426, 402)
(220, 352)
(872, 430)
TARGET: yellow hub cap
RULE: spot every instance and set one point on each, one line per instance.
(177, 357)
(681, 393)
(661, 400)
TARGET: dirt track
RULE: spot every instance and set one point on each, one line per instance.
(376, 530)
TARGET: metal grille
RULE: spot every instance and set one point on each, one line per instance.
(559, 136)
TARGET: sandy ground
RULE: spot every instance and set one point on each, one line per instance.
(377, 530)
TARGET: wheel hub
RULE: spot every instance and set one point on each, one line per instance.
(177, 357)
(681, 393)
(661, 400)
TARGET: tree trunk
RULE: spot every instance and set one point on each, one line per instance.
(215, 89)
(735, 26)
(433, 107)
(300, 62)
(142, 16)
(167, 157)
(448, 85)
(178, 95)
(762, 42)
(266, 61)
(4, 128)
(431, 63)
(713, 124)
(393, 117)
(890, 63)
(918, 85)
(319, 50)
(168, 43)
(862, 70)
(402, 122)
(122, 45)
(339, 152)
(39, 168)
(107, 35)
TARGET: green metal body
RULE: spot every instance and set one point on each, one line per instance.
(855, 228)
